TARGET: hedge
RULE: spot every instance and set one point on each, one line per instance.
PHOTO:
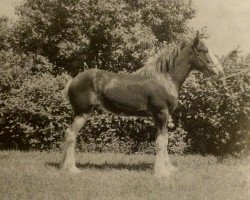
(211, 117)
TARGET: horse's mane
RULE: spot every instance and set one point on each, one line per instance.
(162, 62)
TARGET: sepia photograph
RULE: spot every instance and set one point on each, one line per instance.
(124, 100)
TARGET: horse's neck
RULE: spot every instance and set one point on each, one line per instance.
(176, 75)
(179, 76)
(180, 71)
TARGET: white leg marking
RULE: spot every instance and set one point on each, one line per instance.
(163, 167)
(160, 162)
(69, 162)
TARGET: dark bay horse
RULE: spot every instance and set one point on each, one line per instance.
(150, 91)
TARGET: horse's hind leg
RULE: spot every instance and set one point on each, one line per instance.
(69, 162)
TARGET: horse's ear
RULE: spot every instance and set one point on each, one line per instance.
(196, 39)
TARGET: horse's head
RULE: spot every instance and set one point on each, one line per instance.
(203, 60)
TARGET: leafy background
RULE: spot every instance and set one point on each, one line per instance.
(54, 40)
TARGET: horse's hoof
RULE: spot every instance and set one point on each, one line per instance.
(173, 169)
(162, 174)
(73, 169)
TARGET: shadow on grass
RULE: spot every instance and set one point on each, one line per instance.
(108, 166)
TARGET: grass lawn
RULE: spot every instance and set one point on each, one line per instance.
(35, 175)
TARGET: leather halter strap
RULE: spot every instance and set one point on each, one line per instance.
(197, 55)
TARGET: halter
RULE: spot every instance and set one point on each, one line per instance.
(197, 55)
(236, 74)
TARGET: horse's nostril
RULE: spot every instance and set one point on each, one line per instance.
(216, 71)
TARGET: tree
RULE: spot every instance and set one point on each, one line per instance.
(108, 34)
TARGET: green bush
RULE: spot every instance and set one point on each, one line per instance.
(211, 117)
(32, 110)
(108, 132)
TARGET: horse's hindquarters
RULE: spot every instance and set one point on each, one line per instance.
(82, 95)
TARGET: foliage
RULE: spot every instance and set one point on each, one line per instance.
(31, 104)
(108, 132)
(211, 117)
(57, 35)
(4, 33)
(109, 34)
(213, 112)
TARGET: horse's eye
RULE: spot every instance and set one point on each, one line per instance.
(203, 50)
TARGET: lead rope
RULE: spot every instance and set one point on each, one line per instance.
(236, 74)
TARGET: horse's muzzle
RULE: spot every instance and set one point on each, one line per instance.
(216, 70)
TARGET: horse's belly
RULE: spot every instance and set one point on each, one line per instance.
(129, 100)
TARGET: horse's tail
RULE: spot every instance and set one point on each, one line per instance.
(65, 93)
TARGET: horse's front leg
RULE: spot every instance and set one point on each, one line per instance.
(69, 162)
(163, 167)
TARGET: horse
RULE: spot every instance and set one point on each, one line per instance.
(150, 91)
